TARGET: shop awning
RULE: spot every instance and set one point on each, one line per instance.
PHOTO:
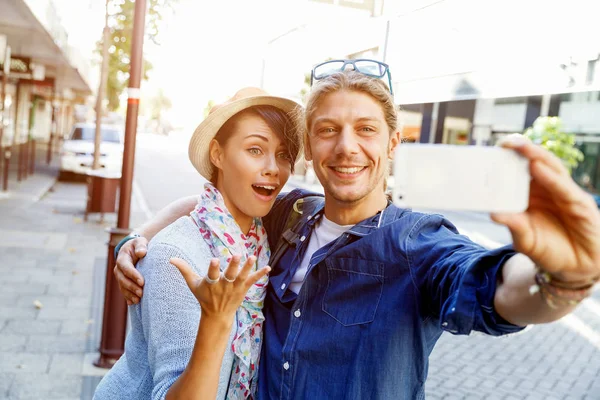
(28, 38)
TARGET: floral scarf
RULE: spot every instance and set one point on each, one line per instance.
(226, 239)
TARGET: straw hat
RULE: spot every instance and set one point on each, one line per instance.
(221, 113)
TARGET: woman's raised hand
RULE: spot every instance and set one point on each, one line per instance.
(220, 294)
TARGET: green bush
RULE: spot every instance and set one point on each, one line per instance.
(547, 132)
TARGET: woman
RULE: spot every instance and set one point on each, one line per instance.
(246, 148)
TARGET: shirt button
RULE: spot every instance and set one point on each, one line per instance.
(303, 238)
(286, 366)
(297, 313)
(445, 324)
(309, 218)
(282, 286)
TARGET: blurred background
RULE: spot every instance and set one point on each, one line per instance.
(464, 72)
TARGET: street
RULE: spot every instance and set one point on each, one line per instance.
(554, 361)
(81, 81)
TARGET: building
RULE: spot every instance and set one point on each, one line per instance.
(43, 79)
(466, 71)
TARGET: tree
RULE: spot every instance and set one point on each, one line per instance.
(547, 132)
(158, 104)
(121, 28)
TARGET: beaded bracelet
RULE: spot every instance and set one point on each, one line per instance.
(557, 293)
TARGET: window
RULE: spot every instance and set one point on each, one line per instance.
(587, 173)
(591, 68)
(511, 100)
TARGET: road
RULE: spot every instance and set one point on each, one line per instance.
(553, 361)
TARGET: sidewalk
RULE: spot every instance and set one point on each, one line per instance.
(52, 272)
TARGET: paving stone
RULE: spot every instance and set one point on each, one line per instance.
(10, 342)
(47, 301)
(470, 383)
(69, 364)
(79, 301)
(52, 280)
(76, 327)
(32, 327)
(23, 288)
(6, 380)
(8, 299)
(28, 312)
(45, 386)
(14, 278)
(79, 313)
(24, 363)
(69, 290)
(535, 396)
(56, 344)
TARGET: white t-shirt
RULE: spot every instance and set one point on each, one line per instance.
(324, 232)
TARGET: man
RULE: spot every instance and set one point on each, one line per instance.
(365, 289)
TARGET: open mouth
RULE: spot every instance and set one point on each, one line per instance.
(264, 190)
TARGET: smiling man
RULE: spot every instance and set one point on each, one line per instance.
(363, 290)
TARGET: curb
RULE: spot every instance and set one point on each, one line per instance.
(44, 191)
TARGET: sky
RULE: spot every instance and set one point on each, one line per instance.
(209, 49)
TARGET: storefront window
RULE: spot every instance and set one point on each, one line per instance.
(587, 174)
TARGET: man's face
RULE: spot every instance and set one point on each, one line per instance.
(349, 143)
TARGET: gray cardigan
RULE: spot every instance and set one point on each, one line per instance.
(165, 323)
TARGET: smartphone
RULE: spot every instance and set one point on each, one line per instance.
(468, 178)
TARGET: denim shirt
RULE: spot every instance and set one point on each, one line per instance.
(373, 304)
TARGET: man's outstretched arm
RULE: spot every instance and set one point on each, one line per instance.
(129, 279)
(558, 237)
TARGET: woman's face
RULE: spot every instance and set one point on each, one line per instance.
(252, 166)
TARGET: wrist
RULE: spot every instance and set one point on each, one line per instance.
(123, 241)
(569, 281)
(217, 321)
(561, 293)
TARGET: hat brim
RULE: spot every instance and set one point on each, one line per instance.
(206, 131)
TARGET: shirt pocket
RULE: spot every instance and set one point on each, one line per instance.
(353, 292)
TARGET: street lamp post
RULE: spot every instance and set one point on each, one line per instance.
(6, 151)
(115, 309)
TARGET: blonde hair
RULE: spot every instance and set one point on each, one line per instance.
(352, 81)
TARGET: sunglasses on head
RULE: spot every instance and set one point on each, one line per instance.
(372, 68)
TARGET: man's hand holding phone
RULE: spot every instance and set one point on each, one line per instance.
(551, 219)
(560, 230)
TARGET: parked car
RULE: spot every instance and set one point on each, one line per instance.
(77, 155)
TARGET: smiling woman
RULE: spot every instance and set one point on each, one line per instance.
(246, 148)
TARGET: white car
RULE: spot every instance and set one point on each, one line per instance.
(77, 155)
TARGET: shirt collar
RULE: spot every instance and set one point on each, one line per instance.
(314, 210)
